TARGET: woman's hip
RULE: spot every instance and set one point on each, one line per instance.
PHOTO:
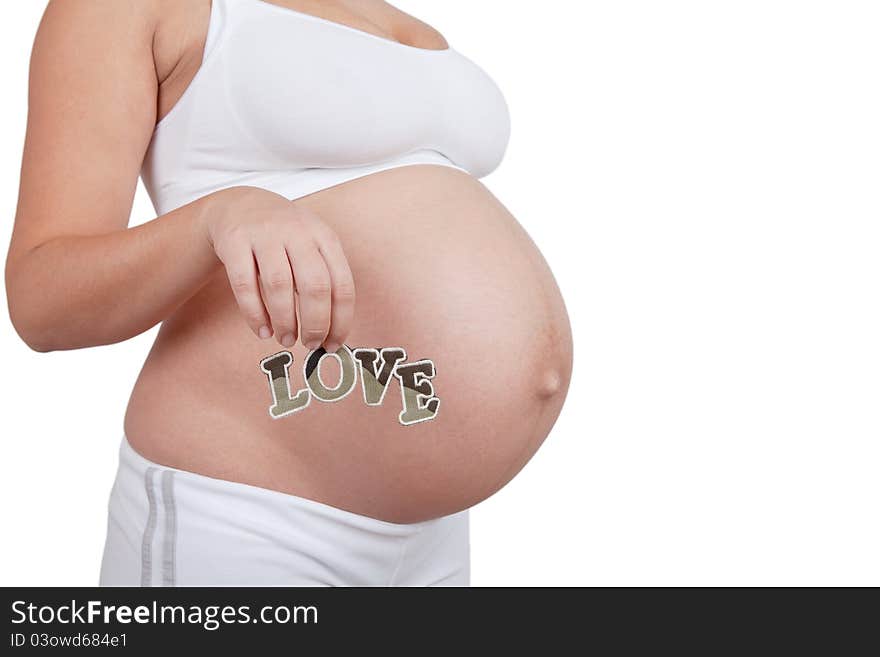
(170, 527)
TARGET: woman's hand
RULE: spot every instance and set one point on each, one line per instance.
(277, 256)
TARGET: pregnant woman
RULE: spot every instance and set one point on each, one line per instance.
(358, 341)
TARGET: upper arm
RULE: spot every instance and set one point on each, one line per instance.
(91, 113)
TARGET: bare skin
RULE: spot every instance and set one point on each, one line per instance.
(243, 273)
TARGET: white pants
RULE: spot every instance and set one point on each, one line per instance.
(170, 527)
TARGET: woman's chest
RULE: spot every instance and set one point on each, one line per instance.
(182, 31)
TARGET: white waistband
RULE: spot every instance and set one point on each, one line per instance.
(170, 527)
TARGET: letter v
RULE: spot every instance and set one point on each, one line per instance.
(373, 382)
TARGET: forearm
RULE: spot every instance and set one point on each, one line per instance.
(82, 291)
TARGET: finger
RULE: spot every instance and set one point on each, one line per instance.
(276, 285)
(342, 292)
(241, 270)
(312, 283)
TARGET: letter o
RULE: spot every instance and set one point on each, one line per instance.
(312, 369)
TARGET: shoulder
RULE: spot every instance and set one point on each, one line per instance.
(94, 31)
(158, 28)
(102, 15)
(81, 38)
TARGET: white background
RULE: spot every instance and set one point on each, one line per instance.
(703, 179)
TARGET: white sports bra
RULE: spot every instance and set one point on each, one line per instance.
(295, 104)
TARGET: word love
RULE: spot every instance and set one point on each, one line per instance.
(377, 367)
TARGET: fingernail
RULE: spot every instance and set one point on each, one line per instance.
(313, 344)
(265, 332)
(331, 347)
(288, 340)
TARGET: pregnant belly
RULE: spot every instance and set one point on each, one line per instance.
(444, 273)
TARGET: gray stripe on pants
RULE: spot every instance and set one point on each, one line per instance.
(169, 540)
(149, 530)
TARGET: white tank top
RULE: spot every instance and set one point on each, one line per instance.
(293, 103)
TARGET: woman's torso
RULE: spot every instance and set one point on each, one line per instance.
(442, 270)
